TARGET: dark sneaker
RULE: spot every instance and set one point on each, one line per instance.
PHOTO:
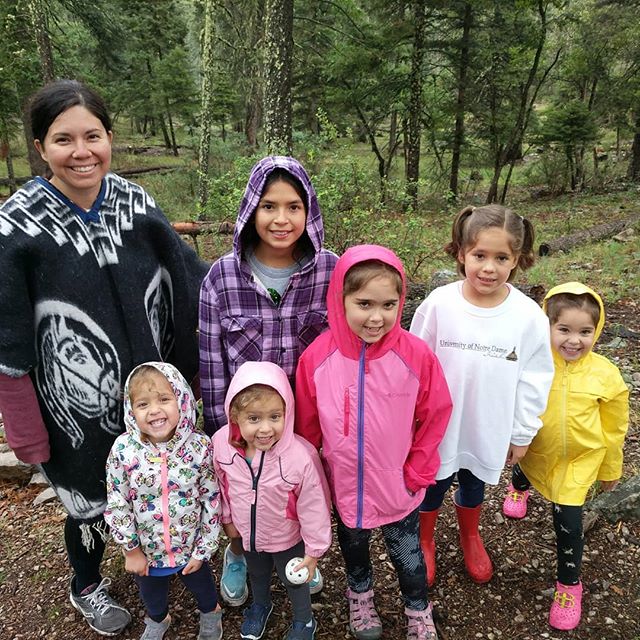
(255, 621)
(302, 630)
(103, 614)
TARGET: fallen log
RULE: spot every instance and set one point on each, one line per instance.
(600, 231)
(194, 229)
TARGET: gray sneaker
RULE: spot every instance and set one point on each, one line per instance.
(210, 625)
(155, 630)
(104, 615)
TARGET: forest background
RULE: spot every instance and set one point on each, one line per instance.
(402, 112)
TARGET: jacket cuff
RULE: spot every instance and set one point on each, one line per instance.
(36, 453)
(314, 552)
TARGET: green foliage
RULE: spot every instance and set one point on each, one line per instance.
(226, 190)
(571, 125)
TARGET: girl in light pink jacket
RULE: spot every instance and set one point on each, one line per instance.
(375, 399)
(274, 494)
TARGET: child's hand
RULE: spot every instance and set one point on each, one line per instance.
(136, 562)
(609, 485)
(192, 566)
(311, 564)
(231, 531)
(516, 453)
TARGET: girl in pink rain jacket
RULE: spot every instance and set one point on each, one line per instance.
(375, 400)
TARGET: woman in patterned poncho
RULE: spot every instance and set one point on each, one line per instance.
(94, 281)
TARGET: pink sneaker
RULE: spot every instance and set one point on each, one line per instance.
(364, 621)
(515, 503)
(567, 606)
(421, 626)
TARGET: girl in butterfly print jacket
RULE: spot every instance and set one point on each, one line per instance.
(142, 475)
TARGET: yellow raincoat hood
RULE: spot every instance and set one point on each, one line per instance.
(585, 423)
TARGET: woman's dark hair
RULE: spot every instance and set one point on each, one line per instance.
(58, 96)
(250, 238)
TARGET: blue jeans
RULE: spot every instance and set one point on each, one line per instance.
(470, 492)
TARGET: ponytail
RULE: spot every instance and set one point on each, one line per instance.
(457, 243)
(527, 255)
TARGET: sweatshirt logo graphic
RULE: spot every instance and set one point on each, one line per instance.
(486, 350)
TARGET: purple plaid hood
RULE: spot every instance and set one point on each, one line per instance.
(252, 194)
(238, 320)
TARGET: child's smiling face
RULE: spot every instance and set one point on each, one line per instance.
(261, 423)
(155, 407)
(372, 310)
(280, 221)
(573, 334)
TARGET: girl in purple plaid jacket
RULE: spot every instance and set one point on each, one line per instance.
(263, 301)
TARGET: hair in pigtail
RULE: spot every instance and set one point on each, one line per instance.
(457, 237)
(472, 221)
(527, 256)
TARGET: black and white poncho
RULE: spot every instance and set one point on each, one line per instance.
(84, 297)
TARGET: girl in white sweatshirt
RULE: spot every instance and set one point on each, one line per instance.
(493, 344)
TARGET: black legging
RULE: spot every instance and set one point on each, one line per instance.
(403, 545)
(567, 522)
(84, 561)
(154, 591)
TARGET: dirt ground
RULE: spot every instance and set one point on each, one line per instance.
(34, 575)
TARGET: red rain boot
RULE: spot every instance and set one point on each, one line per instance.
(427, 526)
(476, 559)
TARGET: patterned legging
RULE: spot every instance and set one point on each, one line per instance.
(567, 522)
(403, 545)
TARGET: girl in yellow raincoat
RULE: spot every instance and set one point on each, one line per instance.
(581, 438)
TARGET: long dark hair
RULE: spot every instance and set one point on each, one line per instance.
(249, 236)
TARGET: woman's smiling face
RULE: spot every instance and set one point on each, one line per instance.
(77, 149)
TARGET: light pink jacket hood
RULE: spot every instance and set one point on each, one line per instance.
(282, 496)
(378, 411)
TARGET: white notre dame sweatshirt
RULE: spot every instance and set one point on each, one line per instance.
(499, 368)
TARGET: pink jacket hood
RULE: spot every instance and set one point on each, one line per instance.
(348, 343)
(270, 375)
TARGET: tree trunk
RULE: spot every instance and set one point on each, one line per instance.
(8, 158)
(165, 132)
(415, 103)
(206, 115)
(458, 133)
(393, 131)
(37, 165)
(38, 20)
(633, 172)
(277, 68)
(37, 12)
(253, 104)
(172, 133)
